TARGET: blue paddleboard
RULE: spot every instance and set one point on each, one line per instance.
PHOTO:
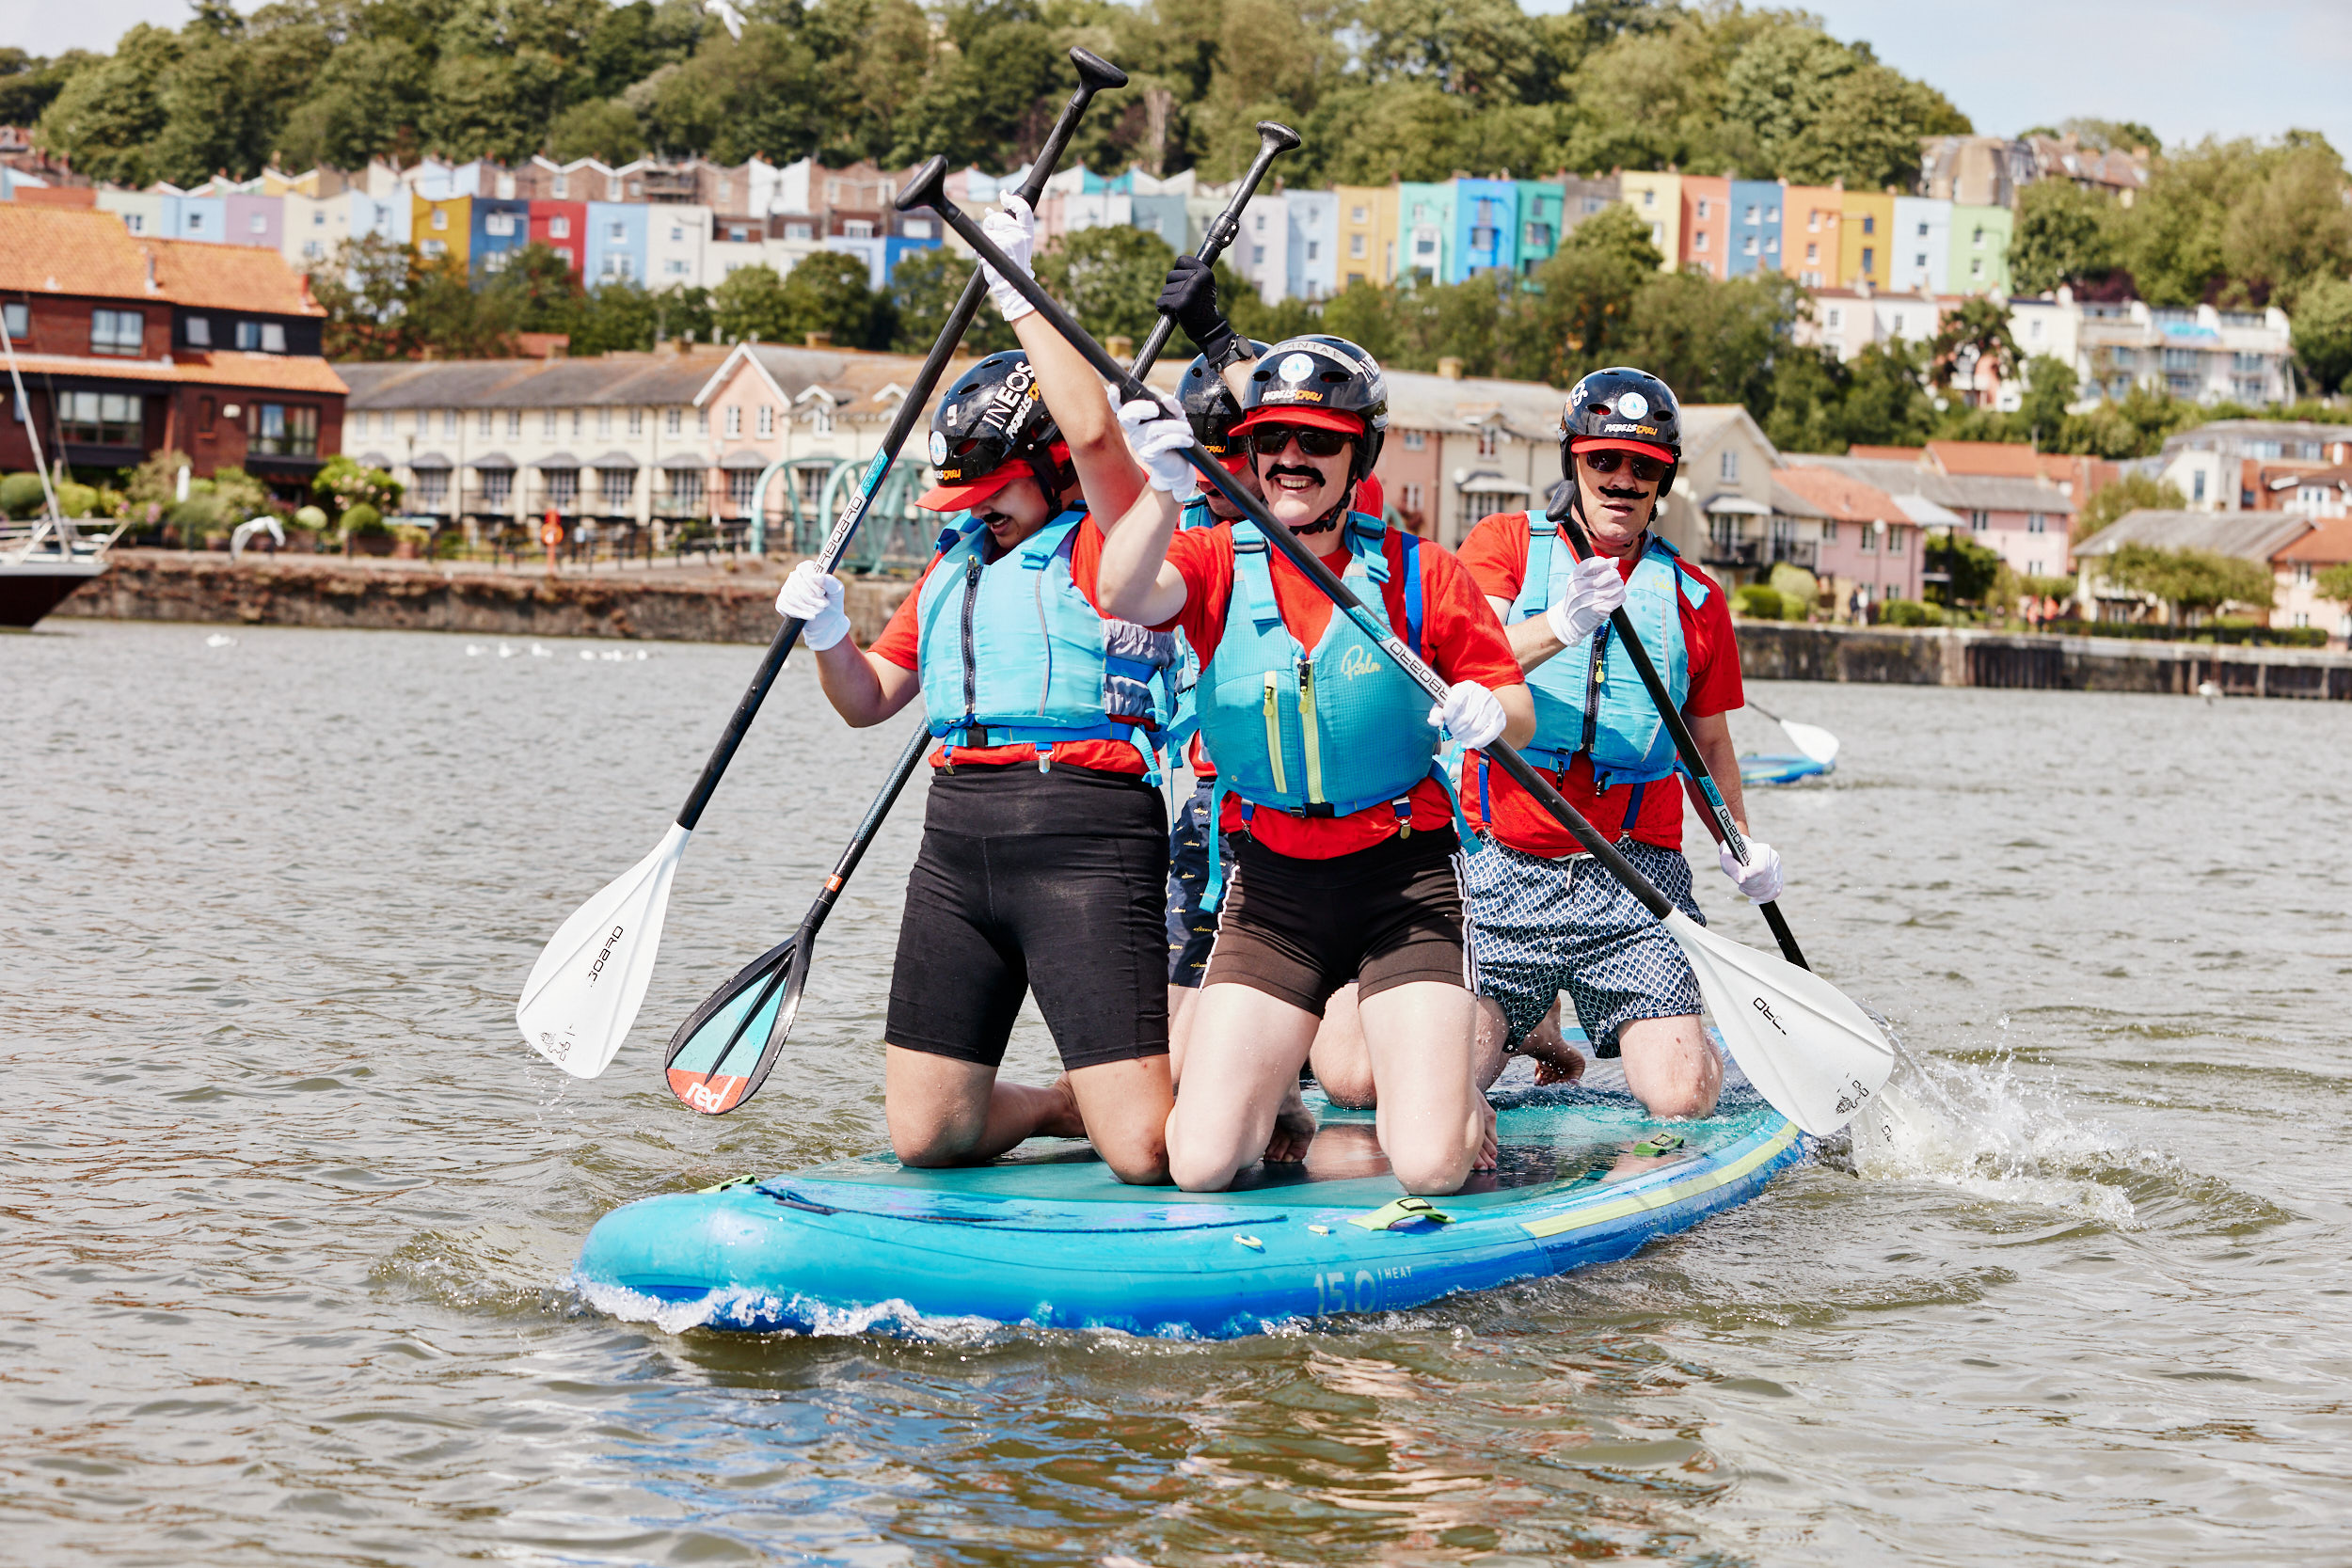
(1779, 769)
(1049, 1237)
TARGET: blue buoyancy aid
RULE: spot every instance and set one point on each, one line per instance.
(1184, 675)
(1592, 699)
(1326, 733)
(1013, 653)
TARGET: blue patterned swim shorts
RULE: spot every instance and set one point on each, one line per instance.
(1539, 926)
(1191, 929)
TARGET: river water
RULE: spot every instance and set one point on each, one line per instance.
(289, 1209)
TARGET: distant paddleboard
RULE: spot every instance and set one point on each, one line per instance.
(1050, 1238)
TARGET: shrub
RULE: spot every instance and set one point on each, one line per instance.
(1798, 588)
(76, 500)
(363, 518)
(1910, 612)
(22, 495)
(1760, 603)
(310, 517)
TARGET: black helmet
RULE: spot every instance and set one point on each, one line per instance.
(1208, 403)
(991, 416)
(1629, 409)
(1317, 372)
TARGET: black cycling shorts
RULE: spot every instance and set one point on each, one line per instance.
(1053, 883)
(1300, 929)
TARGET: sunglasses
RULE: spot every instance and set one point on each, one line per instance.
(1645, 470)
(1268, 441)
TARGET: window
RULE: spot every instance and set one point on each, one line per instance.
(1649, 198)
(1486, 441)
(674, 422)
(1979, 521)
(1870, 224)
(618, 487)
(17, 319)
(1698, 241)
(441, 217)
(821, 418)
(1748, 246)
(1975, 269)
(1829, 532)
(799, 231)
(686, 486)
(2181, 360)
(1813, 221)
(1772, 245)
(1416, 441)
(1356, 247)
(676, 266)
(514, 421)
(258, 224)
(915, 229)
(2197, 486)
(1360, 214)
(563, 254)
(702, 421)
(766, 420)
(563, 488)
(735, 419)
(739, 482)
(1977, 241)
(2036, 523)
(433, 250)
(1772, 214)
(1895, 540)
(282, 430)
(1836, 317)
(1812, 252)
(1313, 249)
(482, 422)
(561, 185)
(196, 223)
(620, 233)
(559, 229)
(99, 419)
(1729, 467)
(134, 222)
(432, 490)
(1920, 259)
(2302, 574)
(1411, 499)
(677, 234)
(449, 421)
(2245, 364)
(1869, 260)
(498, 485)
(636, 422)
(262, 337)
(1703, 209)
(857, 229)
(547, 423)
(1484, 239)
(117, 332)
(1751, 217)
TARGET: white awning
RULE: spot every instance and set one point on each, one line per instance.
(1926, 512)
(1735, 505)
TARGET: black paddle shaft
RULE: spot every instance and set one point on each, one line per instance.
(1686, 744)
(1273, 139)
(928, 188)
(1094, 75)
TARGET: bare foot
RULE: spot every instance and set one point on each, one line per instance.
(1293, 1131)
(1556, 1061)
(1064, 1120)
(1490, 1150)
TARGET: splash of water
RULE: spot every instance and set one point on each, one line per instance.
(1988, 1131)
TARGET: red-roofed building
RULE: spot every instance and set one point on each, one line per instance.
(2298, 567)
(1870, 546)
(128, 346)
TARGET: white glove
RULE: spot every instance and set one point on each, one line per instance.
(1471, 714)
(1759, 876)
(1593, 590)
(813, 596)
(1014, 229)
(1159, 436)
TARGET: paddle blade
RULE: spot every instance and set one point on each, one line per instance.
(584, 991)
(1803, 1044)
(1813, 741)
(721, 1055)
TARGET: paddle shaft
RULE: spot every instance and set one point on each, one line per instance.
(855, 851)
(1094, 74)
(924, 190)
(1686, 744)
(1273, 141)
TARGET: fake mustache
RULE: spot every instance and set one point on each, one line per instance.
(1285, 469)
(1621, 493)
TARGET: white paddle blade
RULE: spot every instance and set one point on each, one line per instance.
(1813, 741)
(1807, 1048)
(584, 991)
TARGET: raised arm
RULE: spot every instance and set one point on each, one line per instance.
(1136, 581)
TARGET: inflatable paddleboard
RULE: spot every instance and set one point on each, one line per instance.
(1048, 1236)
(1780, 770)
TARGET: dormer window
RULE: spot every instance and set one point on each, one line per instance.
(118, 332)
(200, 331)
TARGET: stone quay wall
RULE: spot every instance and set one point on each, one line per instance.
(1770, 650)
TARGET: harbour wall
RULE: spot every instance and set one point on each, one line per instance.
(735, 603)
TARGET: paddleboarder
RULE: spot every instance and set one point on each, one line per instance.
(1044, 854)
(1326, 758)
(1543, 917)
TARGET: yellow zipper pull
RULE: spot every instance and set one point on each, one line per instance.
(1274, 730)
(1309, 734)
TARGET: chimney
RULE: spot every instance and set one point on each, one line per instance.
(819, 339)
(1450, 368)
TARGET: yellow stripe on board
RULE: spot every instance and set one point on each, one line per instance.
(1634, 1203)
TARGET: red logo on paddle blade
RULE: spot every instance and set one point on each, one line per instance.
(710, 1096)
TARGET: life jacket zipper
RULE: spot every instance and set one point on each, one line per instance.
(1273, 731)
(1310, 736)
(971, 658)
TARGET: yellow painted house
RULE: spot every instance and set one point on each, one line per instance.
(442, 228)
(1657, 201)
(1367, 237)
(1867, 239)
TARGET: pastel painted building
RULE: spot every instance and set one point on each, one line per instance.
(1543, 221)
(616, 243)
(1484, 229)
(1657, 201)
(142, 211)
(562, 228)
(1425, 222)
(194, 218)
(1922, 245)
(1368, 234)
(1314, 244)
(1261, 252)
(1811, 230)
(1755, 210)
(249, 218)
(1160, 213)
(442, 228)
(1866, 232)
(675, 233)
(1980, 253)
(499, 227)
(1706, 223)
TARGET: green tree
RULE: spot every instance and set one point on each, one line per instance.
(2062, 236)
(1970, 568)
(2335, 584)
(361, 104)
(1363, 313)
(605, 128)
(2132, 493)
(2323, 333)
(1109, 278)
(2190, 581)
(828, 292)
(751, 305)
(2050, 386)
(107, 117)
(2289, 229)
(1966, 339)
(29, 84)
(538, 290)
(1713, 343)
(924, 287)
(1582, 300)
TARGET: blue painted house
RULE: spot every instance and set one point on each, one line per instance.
(1485, 227)
(1756, 219)
(1543, 220)
(616, 242)
(501, 228)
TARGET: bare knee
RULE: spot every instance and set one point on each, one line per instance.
(931, 1145)
(1687, 1099)
(1200, 1170)
(1431, 1173)
(1138, 1161)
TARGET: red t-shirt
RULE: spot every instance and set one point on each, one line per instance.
(902, 643)
(1459, 636)
(1496, 556)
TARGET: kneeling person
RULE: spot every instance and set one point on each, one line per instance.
(1326, 758)
(1044, 845)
